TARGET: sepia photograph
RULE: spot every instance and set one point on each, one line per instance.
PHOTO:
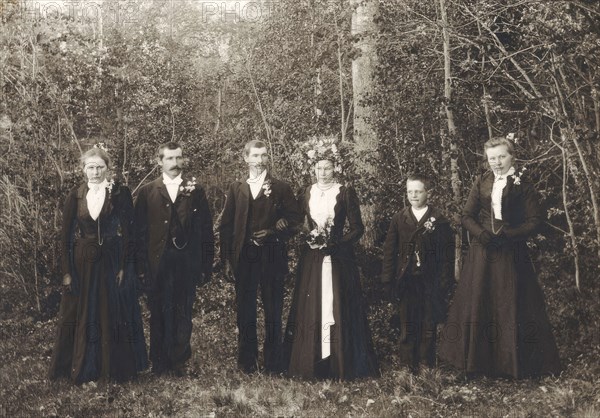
(300, 208)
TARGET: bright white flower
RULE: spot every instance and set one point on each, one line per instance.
(311, 154)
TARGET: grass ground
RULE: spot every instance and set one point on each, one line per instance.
(214, 387)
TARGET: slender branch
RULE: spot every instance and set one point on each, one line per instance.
(562, 231)
(566, 205)
(144, 179)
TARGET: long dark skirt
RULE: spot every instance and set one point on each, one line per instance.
(352, 355)
(497, 323)
(100, 333)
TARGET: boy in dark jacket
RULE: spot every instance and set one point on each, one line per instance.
(418, 263)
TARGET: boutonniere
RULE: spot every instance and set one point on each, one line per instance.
(110, 186)
(429, 225)
(267, 188)
(189, 187)
(517, 176)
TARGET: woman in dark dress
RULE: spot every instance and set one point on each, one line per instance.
(497, 323)
(100, 334)
(327, 334)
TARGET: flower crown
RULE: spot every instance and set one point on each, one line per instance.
(512, 137)
(317, 149)
(101, 145)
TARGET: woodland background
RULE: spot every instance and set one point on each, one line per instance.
(406, 85)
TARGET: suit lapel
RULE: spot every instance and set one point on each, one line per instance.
(487, 183)
(243, 200)
(82, 195)
(411, 223)
(409, 218)
(509, 184)
(159, 184)
(107, 203)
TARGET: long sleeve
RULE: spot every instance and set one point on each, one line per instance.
(356, 228)
(141, 232)
(203, 225)
(126, 219)
(290, 212)
(226, 225)
(390, 251)
(445, 265)
(67, 232)
(530, 212)
(471, 210)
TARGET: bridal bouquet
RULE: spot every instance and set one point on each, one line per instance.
(319, 236)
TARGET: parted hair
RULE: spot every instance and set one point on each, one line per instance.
(169, 145)
(426, 180)
(95, 152)
(255, 143)
(497, 141)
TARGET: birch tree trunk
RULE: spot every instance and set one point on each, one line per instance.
(363, 66)
(455, 180)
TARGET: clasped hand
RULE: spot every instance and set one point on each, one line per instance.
(486, 237)
(259, 237)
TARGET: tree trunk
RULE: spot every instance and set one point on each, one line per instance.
(455, 180)
(363, 66)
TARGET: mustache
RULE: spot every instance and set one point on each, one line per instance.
(175, 167)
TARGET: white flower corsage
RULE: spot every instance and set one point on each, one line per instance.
(429, 224)
(267, 188)
(110, 186)
(517, 176)
(189, 187)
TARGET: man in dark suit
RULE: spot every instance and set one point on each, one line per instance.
(259, 215)
(175, 254)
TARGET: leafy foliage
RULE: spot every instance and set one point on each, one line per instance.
(531, 68)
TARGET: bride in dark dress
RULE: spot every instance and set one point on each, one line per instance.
(100, 334)
(327, 334)
(497, 323)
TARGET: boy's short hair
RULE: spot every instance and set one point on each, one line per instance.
(426, 180)
(497, 141)
(255, 143)
(169, 145)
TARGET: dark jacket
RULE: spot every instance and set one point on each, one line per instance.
(436, 253)
(153, 222)
(115, 219)
(233, 228)
(521, 212)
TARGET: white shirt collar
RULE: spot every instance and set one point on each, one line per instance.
(96, 187)
(510, 172)
(256, 183)
(168, 180)
(257, 180)
(419, 213)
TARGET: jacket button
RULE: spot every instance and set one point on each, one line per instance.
(166, 222)
(168, 204)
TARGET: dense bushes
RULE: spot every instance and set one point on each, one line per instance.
(527, 68)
